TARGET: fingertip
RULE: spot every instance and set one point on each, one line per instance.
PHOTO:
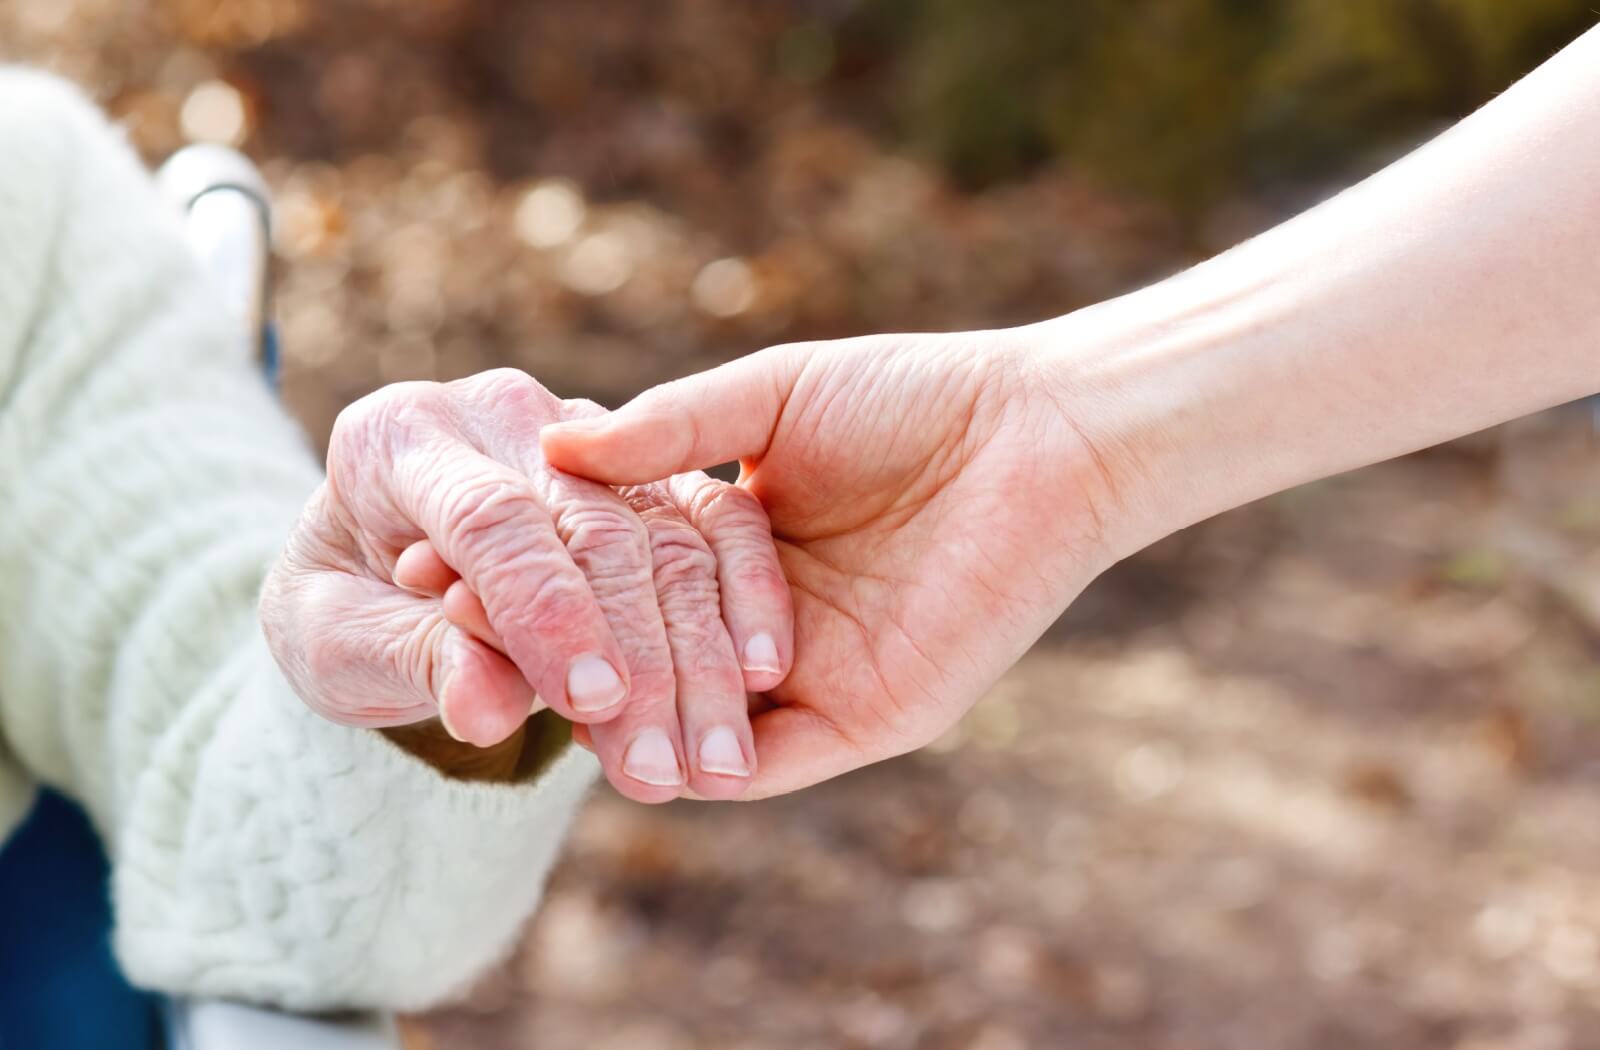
(465, 609)
(470, 721)
(449, 719)
(762, 681)
(722, 753)
(724, 763)
(420, 568)
(570, 445)
(652, 758)
(638, 791)
(713, 788)
(643, 763)
(766, 661)
(594, 688)
(643, 793)
(762, 663)
(483, 699)
(761, 654)
(719, 787)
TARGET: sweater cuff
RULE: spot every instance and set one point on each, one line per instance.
(550, 762)
(314, 866)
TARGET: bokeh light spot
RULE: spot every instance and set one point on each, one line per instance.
(215, 111)
(550, 214)
(724, 288)
(598, 264)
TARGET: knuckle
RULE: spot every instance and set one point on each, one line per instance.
(511, 381)
(558, 607)
(700, 651)
(755, 575)
(504, 388)
(477, 512)
(652, 679)
(681, 560)
(650, 502)
(597, 533)
(397, 403)
(720, 506)
(383, 421)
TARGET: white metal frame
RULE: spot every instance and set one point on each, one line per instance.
(227, 219)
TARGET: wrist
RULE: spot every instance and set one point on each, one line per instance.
(428, 742)
(1433, 300)
(1176, 396)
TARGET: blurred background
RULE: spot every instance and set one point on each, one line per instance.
(1321, 773)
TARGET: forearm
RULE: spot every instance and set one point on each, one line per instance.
(1447, 293)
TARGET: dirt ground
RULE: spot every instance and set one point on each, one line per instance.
(1319, 774)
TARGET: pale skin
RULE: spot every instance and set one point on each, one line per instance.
(938, 500)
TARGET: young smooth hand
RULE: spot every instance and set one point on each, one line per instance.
(934, 510)
(938, 499)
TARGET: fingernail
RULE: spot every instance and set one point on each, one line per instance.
(445, 674)
(593, 684)
(720, 753)
(444, 719)
(651, 759)
(761, 654)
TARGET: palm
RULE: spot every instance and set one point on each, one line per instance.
(934, 509)
(924, 546)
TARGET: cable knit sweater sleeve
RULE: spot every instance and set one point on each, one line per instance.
(148, 481)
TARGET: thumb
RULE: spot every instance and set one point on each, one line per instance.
(725, 414)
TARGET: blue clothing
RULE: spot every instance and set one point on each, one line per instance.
(60, 988)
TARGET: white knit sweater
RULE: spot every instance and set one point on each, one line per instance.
(147, 480)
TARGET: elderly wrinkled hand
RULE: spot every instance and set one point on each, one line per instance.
(445, 570)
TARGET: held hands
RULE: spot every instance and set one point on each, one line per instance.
(444, 569)
(938, 499)
(934, 509)
(933, 506)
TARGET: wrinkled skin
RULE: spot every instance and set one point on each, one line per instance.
(934, 509)
(444, 569)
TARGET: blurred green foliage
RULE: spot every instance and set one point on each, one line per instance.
(1194, 100)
